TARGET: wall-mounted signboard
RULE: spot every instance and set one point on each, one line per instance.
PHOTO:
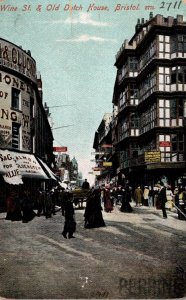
(152, 156)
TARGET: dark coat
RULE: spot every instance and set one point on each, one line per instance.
(93, 211)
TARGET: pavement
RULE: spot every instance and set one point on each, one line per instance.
(137, 255)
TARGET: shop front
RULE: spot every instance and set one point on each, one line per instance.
(23, 171)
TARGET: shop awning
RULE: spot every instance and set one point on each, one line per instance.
(47, 169)
(15, 165)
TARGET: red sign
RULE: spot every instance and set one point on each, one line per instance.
(60, 149)
(98, 169)
(106, 146)
(165, 144)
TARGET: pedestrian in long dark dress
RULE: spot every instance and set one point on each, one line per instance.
(40, 203)
(27, 207)
(162, 198)
(126, 199)
(13, 207)
(93, 211)
(70, 223)
(48, 205)
(108, 206)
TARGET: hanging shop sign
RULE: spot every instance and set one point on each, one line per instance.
(98, 169)
(165, 144)
(107, 164)
(106, 146)
(60, 149)
(96, 173)
(97, 153)
(152, 156)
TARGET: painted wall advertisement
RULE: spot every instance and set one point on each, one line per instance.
(94, 58)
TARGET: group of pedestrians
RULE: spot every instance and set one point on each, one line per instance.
(19, 206)
(162, 197)
(45, 202)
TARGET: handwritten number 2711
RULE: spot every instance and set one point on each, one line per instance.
(169, 5)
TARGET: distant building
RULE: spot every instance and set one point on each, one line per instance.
(65, 165)
(103, 148)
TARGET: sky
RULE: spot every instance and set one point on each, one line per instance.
(75, 54)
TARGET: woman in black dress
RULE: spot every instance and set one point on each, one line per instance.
(93, 211)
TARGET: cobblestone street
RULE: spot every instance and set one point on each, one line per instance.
(138, 255)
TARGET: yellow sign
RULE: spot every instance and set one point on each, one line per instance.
(96, 173)
(107, 164)
(153, 156)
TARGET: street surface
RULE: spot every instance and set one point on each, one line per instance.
(137, 255)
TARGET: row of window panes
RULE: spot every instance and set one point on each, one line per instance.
(171, 157)
(148, 86)
(15, 135)
(128, 94)
(148, 55)
(148, 119)
(16, 102)
(167, 45)
(178, 43)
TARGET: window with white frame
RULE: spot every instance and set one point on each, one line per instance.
(133, 94)
(163, 74)
(148, 119)
(134, 124)
(147, 86)
(171, 147)
(164, 46)
(164, 113)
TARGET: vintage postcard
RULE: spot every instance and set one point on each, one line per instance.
(92, 149)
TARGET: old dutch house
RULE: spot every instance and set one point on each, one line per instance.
(150, 100)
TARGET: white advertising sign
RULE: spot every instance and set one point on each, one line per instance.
(16, 165)
(12, 174)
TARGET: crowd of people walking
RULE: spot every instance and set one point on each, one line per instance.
(20, 207)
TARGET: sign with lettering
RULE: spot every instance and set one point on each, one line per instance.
(152, 156)
(107, 164)
(60, 149)
(96, 173)
(17, 165)
(12, 174)
(98, 169)
(97, 153)
(165, 144)
(14, 58)
(106, 146)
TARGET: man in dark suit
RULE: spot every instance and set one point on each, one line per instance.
(163, 198)
(85, 185)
